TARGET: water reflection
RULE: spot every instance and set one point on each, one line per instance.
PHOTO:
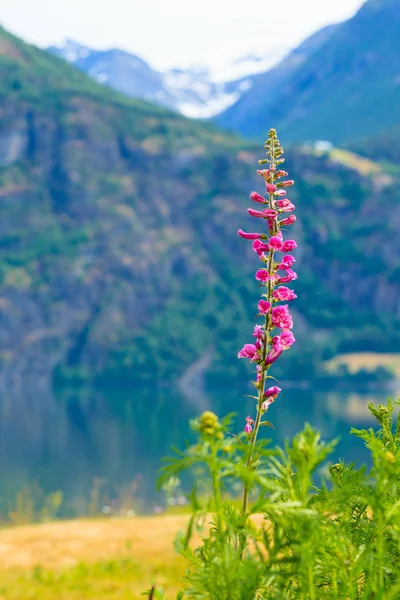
(103, 446)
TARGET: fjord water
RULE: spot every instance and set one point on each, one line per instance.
(110, 443)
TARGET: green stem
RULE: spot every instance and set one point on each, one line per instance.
(261, 387)
(265, 368)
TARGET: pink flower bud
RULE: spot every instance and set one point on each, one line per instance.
(251, 236)
(248, 428)
(271, 188)
(266, 404)
(288, 221)
(257, 198)
(275, 351)
(263, 307)
(280, 174)
(286, 183)
(266, 173)
(258, 332)
(249, 420)
(289, 245)
(280, 193)
(256, 213)
(272, 391)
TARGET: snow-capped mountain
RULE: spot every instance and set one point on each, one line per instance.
(199, 92)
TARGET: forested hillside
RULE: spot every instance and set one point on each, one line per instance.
(119, 259)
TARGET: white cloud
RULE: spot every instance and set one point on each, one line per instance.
(175, 32)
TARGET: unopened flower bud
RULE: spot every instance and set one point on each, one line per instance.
(257, 198)
(288, 221)
(251, 236)
(286, 183)
(266, 173)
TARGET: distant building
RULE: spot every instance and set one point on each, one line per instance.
(323, 146)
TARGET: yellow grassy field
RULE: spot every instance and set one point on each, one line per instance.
(367, 360)
(90, 559)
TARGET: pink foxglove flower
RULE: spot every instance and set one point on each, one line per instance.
(286, 262)
(287, 339)
(281, 317)
(289, 245)
(283, 293)
(269, 344)
(290, 276)
(276, 242)
(263, 307)
(248, 351)
(263, 275)
(285, 205)
(259, 247)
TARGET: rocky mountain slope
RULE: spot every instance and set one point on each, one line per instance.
(346, 87)
(119, 259)
(196, 92)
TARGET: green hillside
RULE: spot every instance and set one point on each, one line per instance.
(119, 259)
(339, 85)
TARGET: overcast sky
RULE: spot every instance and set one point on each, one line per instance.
(175, 32)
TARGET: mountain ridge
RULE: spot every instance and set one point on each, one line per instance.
(346, 87)
(195, 92)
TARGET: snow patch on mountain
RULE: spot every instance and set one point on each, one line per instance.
(197, 92)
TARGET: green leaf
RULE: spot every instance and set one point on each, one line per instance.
(266, 424)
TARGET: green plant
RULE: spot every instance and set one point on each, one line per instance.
(288, 539)
(340, 539)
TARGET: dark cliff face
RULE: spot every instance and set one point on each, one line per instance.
(119, 258)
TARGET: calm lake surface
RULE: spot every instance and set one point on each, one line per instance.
(105, 447)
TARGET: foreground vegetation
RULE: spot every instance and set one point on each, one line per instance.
(340, 539)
